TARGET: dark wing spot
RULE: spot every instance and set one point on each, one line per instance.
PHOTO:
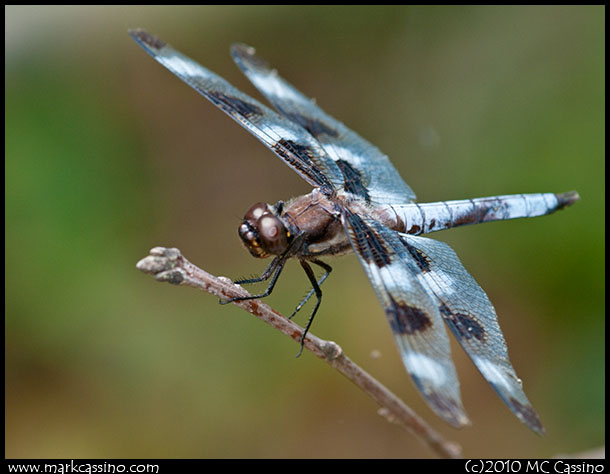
(352, 179)
(148, 39)
(232, 104)
(448, 407)
(407, 319)
(368, 244)
(301, 157)
(313, 126)
(463, 325)
(422, 260)
(469, 327)
(291, 150)
(528, 414)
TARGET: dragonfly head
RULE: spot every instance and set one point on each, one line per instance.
(263, 232)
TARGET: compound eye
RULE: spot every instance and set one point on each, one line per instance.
(273, 234)
(256, 211)
(250, 239)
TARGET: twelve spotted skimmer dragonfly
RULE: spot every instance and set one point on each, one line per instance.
(360, 203)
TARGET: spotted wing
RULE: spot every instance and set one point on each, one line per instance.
(472, 319)
(414, 315)
(366, 171)
(285, 138)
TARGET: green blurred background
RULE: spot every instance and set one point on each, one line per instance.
(108, 154)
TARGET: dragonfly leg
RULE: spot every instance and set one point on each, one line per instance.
(327, 269)
(273, 271)
(317, 291)
(264, 276)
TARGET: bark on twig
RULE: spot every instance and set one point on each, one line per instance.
(169, 265)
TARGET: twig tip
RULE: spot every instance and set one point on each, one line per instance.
(159, 259)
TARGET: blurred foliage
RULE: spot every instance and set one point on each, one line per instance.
(108, 154)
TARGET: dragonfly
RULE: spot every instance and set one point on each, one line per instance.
(360, 204)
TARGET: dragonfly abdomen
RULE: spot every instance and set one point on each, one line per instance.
(421, 218)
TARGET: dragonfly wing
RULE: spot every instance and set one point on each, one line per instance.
(470, 316)
(414, 316)
(366, 171)
(297, 148)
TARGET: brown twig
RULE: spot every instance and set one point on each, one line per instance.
(169, 265)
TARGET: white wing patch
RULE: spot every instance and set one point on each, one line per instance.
(182, 65)
(493, 373)
(425, 367)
